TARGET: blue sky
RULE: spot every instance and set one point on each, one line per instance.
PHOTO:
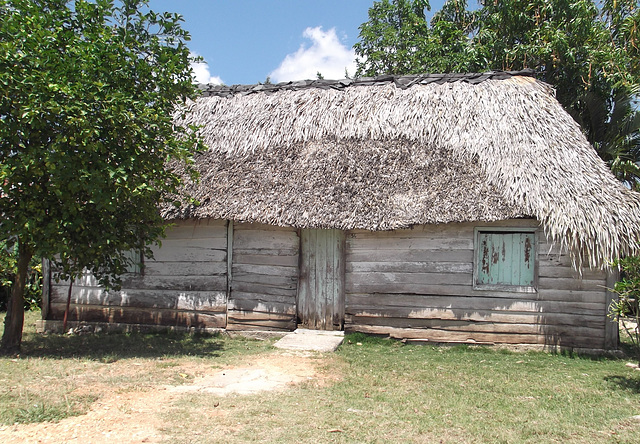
(244, 41)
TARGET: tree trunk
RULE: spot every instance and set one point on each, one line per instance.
(13, 322)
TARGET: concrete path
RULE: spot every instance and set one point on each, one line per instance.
(311, 340)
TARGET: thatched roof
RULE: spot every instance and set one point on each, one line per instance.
(388, 153)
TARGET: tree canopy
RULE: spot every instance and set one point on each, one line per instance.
(570, 44)
(88, 91)
(589, 51)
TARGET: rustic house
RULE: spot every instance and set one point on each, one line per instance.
(447, 208)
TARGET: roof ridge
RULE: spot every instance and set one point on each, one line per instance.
(401, 81)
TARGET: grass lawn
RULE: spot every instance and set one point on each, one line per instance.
(372, 390)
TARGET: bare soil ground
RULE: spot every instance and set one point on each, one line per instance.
(136, 416)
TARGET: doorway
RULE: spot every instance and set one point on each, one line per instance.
(320, 304)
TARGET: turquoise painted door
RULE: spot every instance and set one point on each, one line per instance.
(320, 303)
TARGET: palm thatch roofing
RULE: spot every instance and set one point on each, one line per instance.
(392, 152)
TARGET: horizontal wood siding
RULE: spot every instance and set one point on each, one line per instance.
(417, 284)
(184, 285)
(264, 278)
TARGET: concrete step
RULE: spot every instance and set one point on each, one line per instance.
(311, 340)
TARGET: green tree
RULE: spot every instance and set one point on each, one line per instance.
(585, 50)
(573, 45)
(397, 39)
(614, 125)
(87, 94)
(391, 41)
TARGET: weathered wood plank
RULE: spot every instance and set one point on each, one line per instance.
(522, 223)
(265, 252)
(229, 262)
(399, 279)
(183, 269)
(597, 296)
(197, 229)
(553, 260)
(212, 243)
(254, 316)
(311, 314)
(181, 283)
(265, 298)
(556, 271)
(286, 282)
(274, 260)
(409, 267)
(448, 336)
(272, 240)
(442, 231)
(267, 270)
(59, 293)
(480, 326)
(404, 244)
(259, 288)
(465, 290)
(86, 313)
(255, 227)
(322, 279)
(548, 248)
(239, 324)
(180, 253)
(195, 300)
(129, 315)
(416, 304)
(201, 320)
(339, 279)
(450, 229)
(287, 308)
(392, 288)
(504, 317)
(479, 338)
(572, 284)
(304, 282)
(409, 255)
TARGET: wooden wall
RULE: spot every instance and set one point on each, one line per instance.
(417, 284)
(414, 283)
(264, 278)
(185, 284)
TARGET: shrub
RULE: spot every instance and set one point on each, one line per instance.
(626, 307)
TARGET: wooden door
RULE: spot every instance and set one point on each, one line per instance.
(320, 304)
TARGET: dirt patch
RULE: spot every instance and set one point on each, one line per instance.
(264, 374)
(135, 416)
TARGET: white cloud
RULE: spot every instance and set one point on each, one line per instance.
(326, 55)
(202, 75)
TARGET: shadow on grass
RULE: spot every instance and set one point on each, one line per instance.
(626, 383)
(115, 346)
